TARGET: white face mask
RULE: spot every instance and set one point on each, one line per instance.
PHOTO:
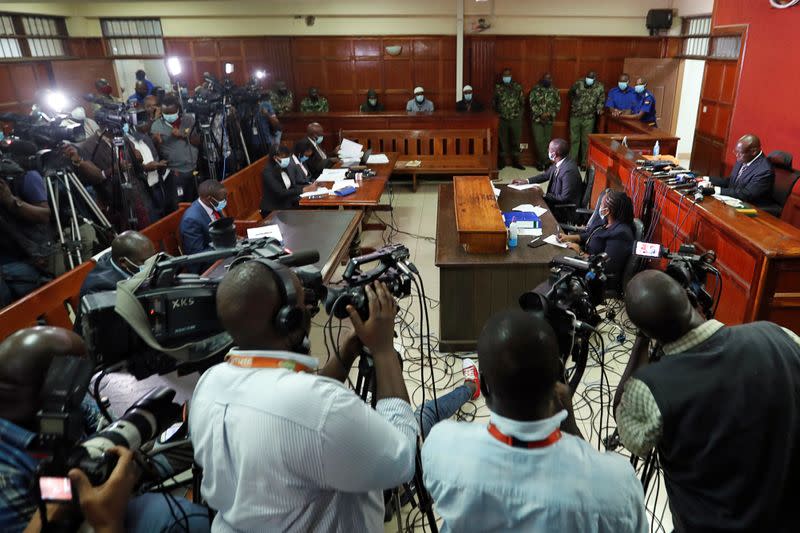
(552, 156)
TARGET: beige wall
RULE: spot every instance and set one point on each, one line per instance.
(361, 17)
(688, 8)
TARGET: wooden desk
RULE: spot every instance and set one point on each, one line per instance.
(454, 165)
(328, 232)
(758, 257)
(472, 287)
(614, 125)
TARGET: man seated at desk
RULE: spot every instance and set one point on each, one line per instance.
(281, 191)
(129, 251)
(203, 211)
(419, 104)
(319, 159)
(563, 175)
(372, 105)
(752, 177)
(467, 104)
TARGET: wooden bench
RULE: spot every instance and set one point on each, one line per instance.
(50, 304)
(245, 189)
(450, 152)
(166, 233)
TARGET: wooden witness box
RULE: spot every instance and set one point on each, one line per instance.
(479, 222)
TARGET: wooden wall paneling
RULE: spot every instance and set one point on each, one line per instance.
(479, 71)
(19, 82)
(77, 77)
(278, 60)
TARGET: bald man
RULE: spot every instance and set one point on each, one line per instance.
(752, 177)
(722, 407)
(284, 445)
(319, 160)
(140, 92)
(25, 359)
(522, 473)
(129, 251)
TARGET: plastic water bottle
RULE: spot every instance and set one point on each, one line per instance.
(513, 233)
(657, 149)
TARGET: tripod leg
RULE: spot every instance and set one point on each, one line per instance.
(76, 228)
(54, 203)
(88, 200)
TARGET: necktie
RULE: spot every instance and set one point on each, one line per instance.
(739, 175)
(215, 215)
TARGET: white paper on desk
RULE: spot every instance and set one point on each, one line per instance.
(349, 149)
(496, 191)
(333, 174)
(539, 211)
(523, 187)
(378, 159)
(525, 208)
(729, 200)
(265, 231)
(319, 192)
(344, 183)
(533, 232)
(552, 239)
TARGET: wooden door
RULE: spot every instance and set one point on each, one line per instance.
(662, 80)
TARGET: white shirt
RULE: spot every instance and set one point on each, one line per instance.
(286, 181)
(300, 164)
(481, 484)
(147, 157)
(287, 451)
(210, 212)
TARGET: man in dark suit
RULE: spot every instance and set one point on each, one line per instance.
(280, 189)
(298, 169)
(752, 177)
(467, 103)
(319, 159)
(129, 251)
(203, 211)
(563, 175)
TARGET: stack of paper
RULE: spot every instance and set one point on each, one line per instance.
(265, 231)
(377, 159)
(333, 174)
(321, 191)
(350, 153)
(528, 208)
(344, 183)
(522, 187)
(552, 239)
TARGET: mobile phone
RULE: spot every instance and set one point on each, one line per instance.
(536, 243)
(648, 249)
(55, 489)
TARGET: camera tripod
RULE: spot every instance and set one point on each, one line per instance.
(365, 387)
(67, 181)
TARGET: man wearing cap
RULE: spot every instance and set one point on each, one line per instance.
(419, 104)
(314, 103)
(371, 105)
(467, 103)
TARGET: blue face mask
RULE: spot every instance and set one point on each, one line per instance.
(284, 162)
(506, 79)
(622, 85)
(170, 118)
(420, 98)
(589, 81)
(222, 204)
(2, 136)
(319, 139)
(125, 128)
(303, 158)
(639, 88)
(468, 97)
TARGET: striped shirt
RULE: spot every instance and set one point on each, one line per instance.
(286, 451)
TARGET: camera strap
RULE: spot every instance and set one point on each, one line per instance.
(552, 438)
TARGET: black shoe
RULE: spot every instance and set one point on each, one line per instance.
(518, 165)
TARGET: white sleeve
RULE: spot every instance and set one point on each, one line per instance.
(365, 449)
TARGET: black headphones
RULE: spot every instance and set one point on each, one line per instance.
(290, 316)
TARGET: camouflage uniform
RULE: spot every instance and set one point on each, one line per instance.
(310, 106)
(544, 101)
(508, 100)
(281, 104)
(587, 104)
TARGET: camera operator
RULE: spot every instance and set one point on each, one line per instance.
(521, 473)
(129, 251)
(328, 454)
(267, 131)
(28, 254)
(93, 163)
(25, 358)
(721, 406)
(103, 95)
(152, 113)
(177, 139)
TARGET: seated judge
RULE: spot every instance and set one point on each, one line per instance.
(563, 175)
(203, 211)
(280, 192)
(752, 177)
(467, 103)
(129, 251)
(614, 235)
(319, 159)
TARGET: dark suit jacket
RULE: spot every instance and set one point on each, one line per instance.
(103, 277)
(295, 171)
(194, 229)
(615, 240)
(316, 163)
(276, 195)
(754, 185)
(473, 106)
(565, 183)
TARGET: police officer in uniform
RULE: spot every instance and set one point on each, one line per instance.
(545, 104)
(587, 97)
(645, 108)
(314, 103)
(622, 98)
(281, 98)
(508, 100)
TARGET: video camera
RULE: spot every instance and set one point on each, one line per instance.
(114, 115)
(176, 313)
(688, 268)
(394, 269)
(568, 302)
(61, 425)
(43, 130)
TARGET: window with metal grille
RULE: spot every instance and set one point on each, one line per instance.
(9, 43)
(46, 36)
(697, 36)
(133, 37)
